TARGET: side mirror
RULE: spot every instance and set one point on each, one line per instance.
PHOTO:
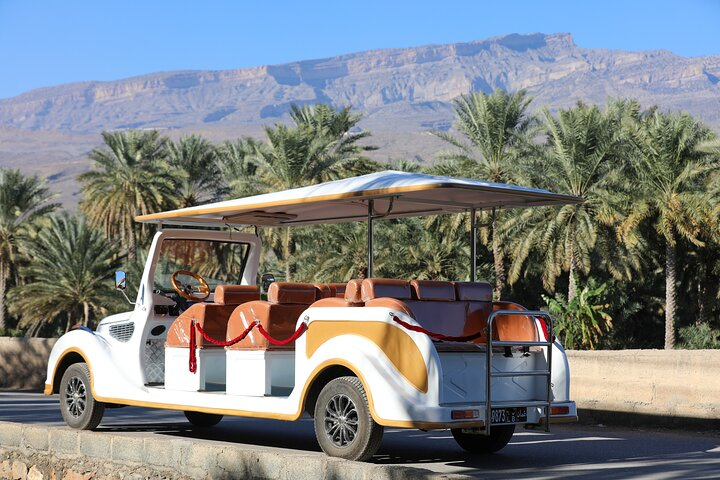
(120, 280)
(266, 280)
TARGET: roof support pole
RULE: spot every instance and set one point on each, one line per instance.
(473, 245)
(371, 211)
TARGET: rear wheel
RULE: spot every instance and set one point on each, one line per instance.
(77, 405)
(344, 426)
(203, 420)
(479, 443)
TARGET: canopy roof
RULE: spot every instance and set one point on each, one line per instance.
(394, 195)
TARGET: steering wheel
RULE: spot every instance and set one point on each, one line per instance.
(186, 290)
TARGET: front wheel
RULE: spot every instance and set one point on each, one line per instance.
(203, 420)
(77, 405)
(477, 443)
(344, 426)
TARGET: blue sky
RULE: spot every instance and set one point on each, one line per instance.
(49, 42)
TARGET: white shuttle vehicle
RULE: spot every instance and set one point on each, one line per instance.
(356, 356)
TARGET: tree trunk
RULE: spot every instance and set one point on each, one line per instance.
(287, 254)
(572, 283)
(572, 278)
(86, 313)
(3, 287)
(670, 294)
(498, 260)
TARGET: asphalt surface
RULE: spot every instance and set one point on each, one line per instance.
(568, 451)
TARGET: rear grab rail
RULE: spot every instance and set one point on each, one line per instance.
(505, 374)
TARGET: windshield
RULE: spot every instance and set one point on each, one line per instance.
(218, 262)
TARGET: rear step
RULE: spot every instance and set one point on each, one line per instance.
(489, 405)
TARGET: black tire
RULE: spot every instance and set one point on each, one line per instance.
(203, 420)
(500, 436)
(344, 426)
(78, 406)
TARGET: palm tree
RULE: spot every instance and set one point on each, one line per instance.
(23, 200)
(130, 177)
(318, 149)
(585, 158)
(497, 128)
(238, 167)
(198, 159)
(671, 173)
(70, 277)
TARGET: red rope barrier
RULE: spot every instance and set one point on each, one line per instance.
(227, 343)
(301, 329)
(438, 336)
(192, 363)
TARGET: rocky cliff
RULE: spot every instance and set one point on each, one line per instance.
(401, 92)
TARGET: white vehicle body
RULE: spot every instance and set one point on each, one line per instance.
(410, 380)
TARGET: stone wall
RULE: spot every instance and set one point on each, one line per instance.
(23, 362)
(661, 383)
(29, 452)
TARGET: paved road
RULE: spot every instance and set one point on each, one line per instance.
(569, 451)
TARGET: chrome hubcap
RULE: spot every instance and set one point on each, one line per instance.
(341, 420)
(75, 397)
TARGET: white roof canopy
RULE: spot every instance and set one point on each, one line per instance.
(394, 195)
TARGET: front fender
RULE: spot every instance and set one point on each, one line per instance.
(82, 345)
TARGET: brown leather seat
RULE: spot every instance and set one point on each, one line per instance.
(278, 316)
(351, 296)
(339, 289)
(212, 317)
(324, 290)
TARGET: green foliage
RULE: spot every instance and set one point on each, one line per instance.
(580, 322)
(70, 279)
(496, 133)
(650, 180)
(130, 177)
(198, 180)
(698, 337)
(23, 201)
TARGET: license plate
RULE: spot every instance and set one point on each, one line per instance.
(508, 415)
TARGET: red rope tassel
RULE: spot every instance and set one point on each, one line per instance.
(438, 336)
(193, 360)
(301, 329)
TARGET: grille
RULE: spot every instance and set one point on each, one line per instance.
(122, 331)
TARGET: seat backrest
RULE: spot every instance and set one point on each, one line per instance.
(436, 308)
(478, 299)
(351, 297)
(236, 294)
(339, 289)
(212, 317)
(278, 315)
(324, 290)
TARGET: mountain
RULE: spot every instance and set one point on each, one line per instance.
(402, 93)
